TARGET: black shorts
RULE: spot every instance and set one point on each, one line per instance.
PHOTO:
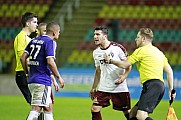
(120, 101)
(22, 83)
(151, 95)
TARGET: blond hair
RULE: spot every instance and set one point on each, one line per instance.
(146, 32)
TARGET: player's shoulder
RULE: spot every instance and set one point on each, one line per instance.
(140, 51)
(22, 37)
(97, 50)
(21, 34)
(118, 47)
(47, 38)
(115, 44)
(44, 38)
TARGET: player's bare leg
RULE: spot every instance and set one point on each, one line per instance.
(95, 110)
(48, 112)
(133, 112)
(34, 113)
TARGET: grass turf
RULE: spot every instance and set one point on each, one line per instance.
(15, 108)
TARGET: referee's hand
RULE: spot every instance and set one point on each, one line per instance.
(107, 59)
(172, 95)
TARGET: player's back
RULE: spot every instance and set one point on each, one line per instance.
(39, 49)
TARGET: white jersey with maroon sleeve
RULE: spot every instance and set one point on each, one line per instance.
(109, 72)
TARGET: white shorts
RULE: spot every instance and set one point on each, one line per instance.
(40, 94)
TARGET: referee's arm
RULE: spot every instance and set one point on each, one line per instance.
(169, 72)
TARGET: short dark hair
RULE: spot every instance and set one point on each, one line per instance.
(103, 29)
(41, 24)
(27, 16)
(51, 26)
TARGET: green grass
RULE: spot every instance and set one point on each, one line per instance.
(77, 87)
(15, 108)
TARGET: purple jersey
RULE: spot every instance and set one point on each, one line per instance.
(39, 49)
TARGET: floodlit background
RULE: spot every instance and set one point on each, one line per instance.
(77, 19)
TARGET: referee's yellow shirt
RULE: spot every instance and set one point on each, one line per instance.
(149, 61)
(20, 43)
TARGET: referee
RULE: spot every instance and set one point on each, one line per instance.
(151, 63)
(29, 22)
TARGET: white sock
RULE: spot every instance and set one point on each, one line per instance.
(33, 115)
(48, 116)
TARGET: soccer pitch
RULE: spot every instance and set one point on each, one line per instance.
(69, 108)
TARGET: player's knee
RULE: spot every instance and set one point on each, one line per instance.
(141, 115)
(48, 109)
(33, 115)
(95, 108)
(36, 117)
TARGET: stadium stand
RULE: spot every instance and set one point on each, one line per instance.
(10, 16)
(162, 16)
